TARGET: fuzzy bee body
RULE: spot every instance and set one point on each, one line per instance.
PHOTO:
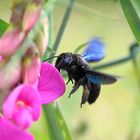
(79, 73)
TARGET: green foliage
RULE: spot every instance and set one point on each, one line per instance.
(3, 26)
(131, 10)
(58, 129)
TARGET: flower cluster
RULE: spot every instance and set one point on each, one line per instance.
(25, 82)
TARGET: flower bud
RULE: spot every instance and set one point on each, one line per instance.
(42, 36)
(31, 66)
(31, 16)
(10, 75)
(10, 41)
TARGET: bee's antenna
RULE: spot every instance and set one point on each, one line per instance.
(49, 58)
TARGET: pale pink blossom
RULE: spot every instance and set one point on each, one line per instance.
(11, 41)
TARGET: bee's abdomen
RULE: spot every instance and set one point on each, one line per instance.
(94, 93)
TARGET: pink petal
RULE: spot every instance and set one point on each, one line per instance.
(1, 59)
(9, 131)
(30, 110)
(51, 84)
(10, 42)
(22, 118)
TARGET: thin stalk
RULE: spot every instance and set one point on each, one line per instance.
(80, 47)
(63, 24)
(135, 49)
(53, 124)
(112, 63)
(51, 31)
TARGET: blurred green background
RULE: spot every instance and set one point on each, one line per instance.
(116, 113)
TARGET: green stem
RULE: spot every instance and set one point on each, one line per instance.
(135, 49)
(67, 134)
(53, 123)
(80, 47)
(51, 32)
(63, 24)
(112, 63)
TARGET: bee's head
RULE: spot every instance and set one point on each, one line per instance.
(64, 61)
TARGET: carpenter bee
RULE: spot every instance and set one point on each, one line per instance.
(80, 74)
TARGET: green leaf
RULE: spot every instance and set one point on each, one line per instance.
(131, 9)
(3, 26)
(62, 122)
(58, 129)
(135, 54)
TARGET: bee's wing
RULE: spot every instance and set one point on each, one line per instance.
(95, 50)
(100, 78)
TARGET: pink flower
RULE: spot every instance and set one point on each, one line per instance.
(9, 131)
(22, 106)
(10, 42)
(50, 84)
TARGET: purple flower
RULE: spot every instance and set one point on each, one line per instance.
(10, 131)
(51, 84)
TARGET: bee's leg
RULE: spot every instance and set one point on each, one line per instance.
(85, 95)
(69, 79)
(77, 85)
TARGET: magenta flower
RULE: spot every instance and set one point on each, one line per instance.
(22, 106)
(9, 131)
(10, 41)
(50, 84)
(1, 59)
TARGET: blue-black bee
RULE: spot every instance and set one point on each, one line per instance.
(79, 72)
